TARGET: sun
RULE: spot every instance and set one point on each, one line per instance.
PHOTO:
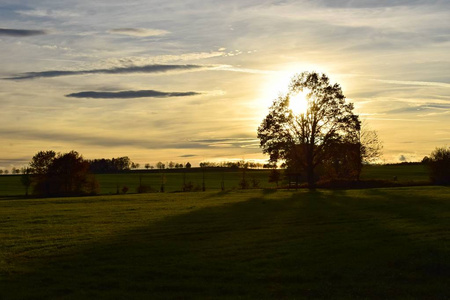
(298, 103)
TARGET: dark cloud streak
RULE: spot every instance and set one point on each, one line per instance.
(20, 32)
(131, 94)
(156, 68)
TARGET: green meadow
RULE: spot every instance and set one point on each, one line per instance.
(268, 244)
(173, 180)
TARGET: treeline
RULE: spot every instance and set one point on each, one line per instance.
(242, 164)
(69, 174)
(113, 165)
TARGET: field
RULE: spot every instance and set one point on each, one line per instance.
(173, 181)
(372, 243)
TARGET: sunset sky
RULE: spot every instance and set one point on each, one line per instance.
(192, 80)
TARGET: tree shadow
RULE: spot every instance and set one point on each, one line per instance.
(274, 245)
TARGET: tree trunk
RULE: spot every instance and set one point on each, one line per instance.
(310, 167)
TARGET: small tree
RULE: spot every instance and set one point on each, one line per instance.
(147, 166)
(188, 165)
(439, 165)
(274, 176)
(26, 180)
(370, 147)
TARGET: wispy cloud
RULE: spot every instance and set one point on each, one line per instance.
(421, 83)
(20, 32)
(160, 59)
(142, 32)
(49, 13)
(131, 94)
(420, 108)
(112, 140)
(228, 142)
(242, 70)
(156, 68)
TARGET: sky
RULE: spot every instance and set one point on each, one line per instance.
(190, 81)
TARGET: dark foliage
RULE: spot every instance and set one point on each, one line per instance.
(439, 165)
(305, 141)
(114, 165)
(275, 176)
(61, 174)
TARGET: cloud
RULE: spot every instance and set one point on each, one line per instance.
(144, 32)
(105, 140)
(188, 155)
(441, 108)
(49, 13)
(241, 70)
(420, 83)
(156, 68)
(228, 143)
(160, 59)
(131, 94)
(21, 32)
(369, 3)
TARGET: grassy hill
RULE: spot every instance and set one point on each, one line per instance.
(373, 243)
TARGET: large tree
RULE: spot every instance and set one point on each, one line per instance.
(303, 140)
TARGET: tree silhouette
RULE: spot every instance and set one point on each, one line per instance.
(41, 162)
(275, 176)
(61, 174)
(370, 146)
(160, 165)
(439, 164)
(303, 140)
(26, 180)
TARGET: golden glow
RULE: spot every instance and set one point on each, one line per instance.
(298, 103)
(277, 83)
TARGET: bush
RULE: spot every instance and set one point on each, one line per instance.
(188, 187)
(439, 165)
(255, 183)
(243, 184)
(143, 188)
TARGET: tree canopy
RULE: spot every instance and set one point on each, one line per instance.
(61, 174)
(439, 164)
(304, 140)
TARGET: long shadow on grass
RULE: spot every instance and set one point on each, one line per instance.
(281, 245)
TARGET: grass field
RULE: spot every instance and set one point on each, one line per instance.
(10, 185)
(373, 243)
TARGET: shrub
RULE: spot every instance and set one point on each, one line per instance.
(143, 188)
(255, 183)
(188, 186)
(243, 184)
